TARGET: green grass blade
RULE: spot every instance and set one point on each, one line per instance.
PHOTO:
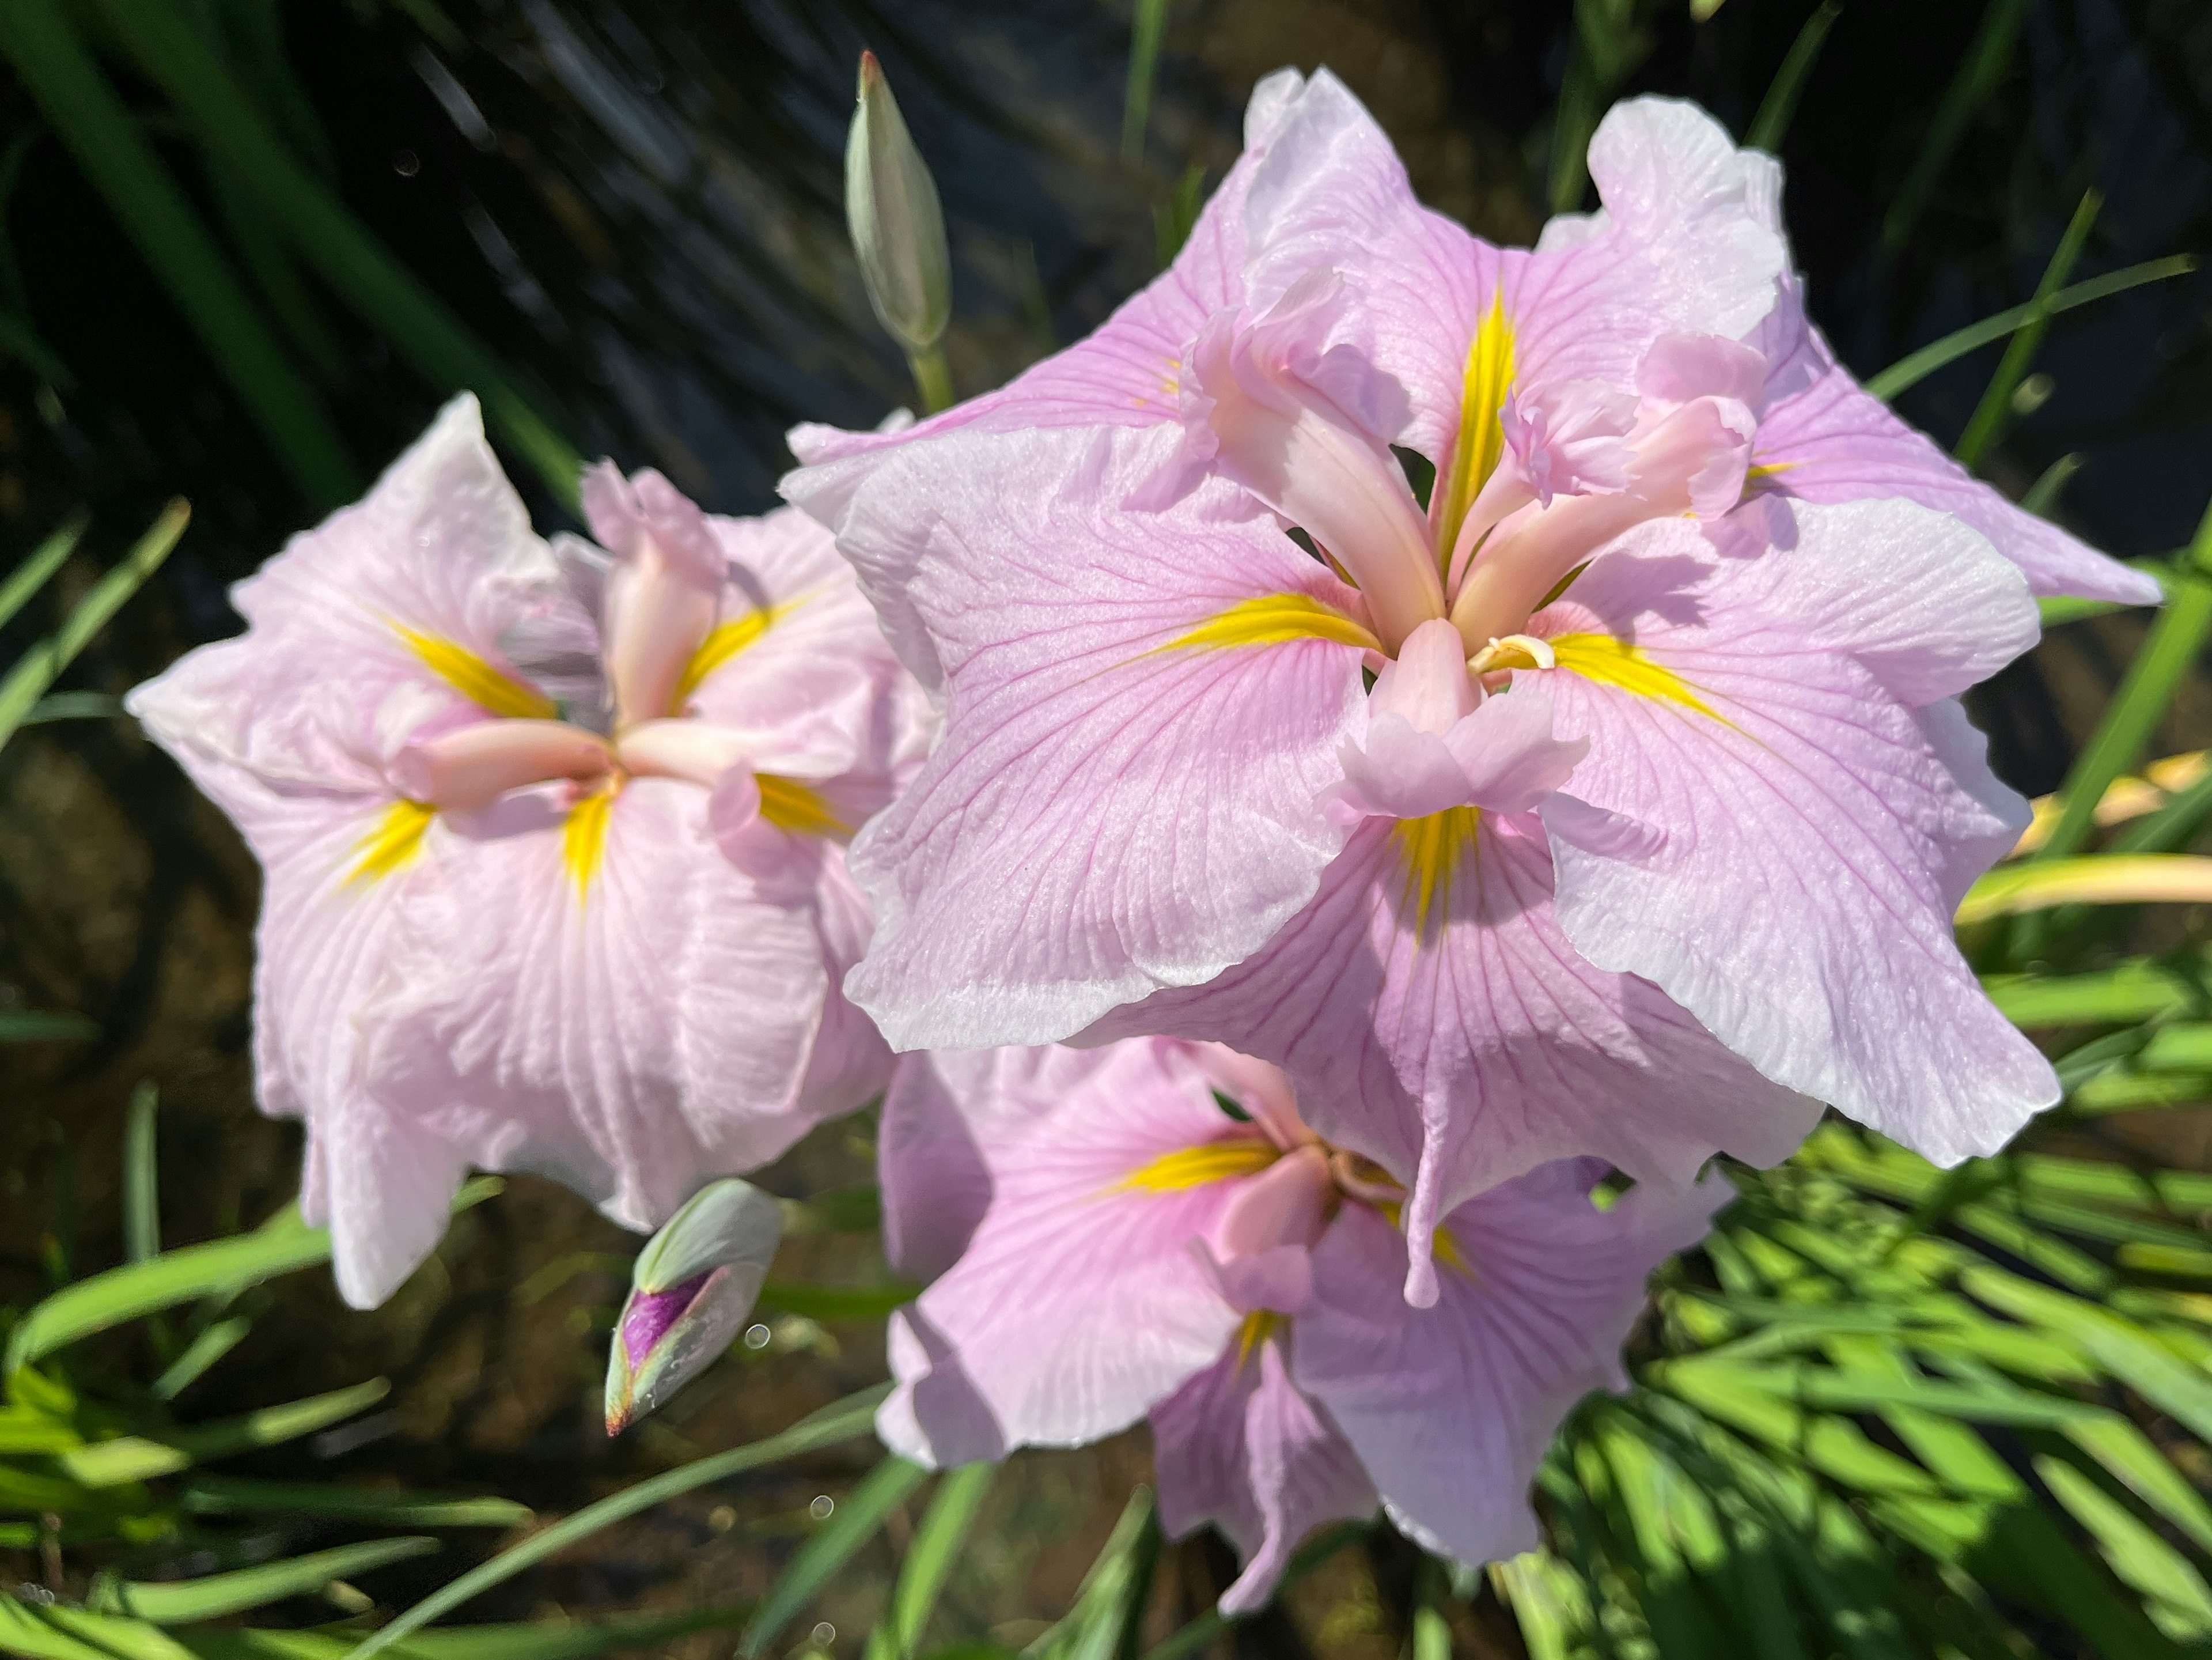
(200, 1355)
(231, 1495)
(45, 1026)
(1916, 367)
(2141, 702)
(142, 1201)
(1995, 412)
(857, 1520)
(72, 706)
(850, 1418)
(33, 574)
(1787, 86)
(2133, 991)
(356, 266)
(929, 1558)
(221, 1268)
(22, 1632)
(109, 144)
(1150, 24)
(26, 681)
(1978, 73)
(183, 1601)
(2138, 1463)
(1550, 1602)
(536, 1640)
(869, 1303)
(141, 1458)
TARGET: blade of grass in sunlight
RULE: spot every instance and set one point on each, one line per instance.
(33, 574)
(2166, 657)
(109, 144)
(26, 681)
(221, 1268)
(2110, 879)
(353, 262)
(1984, 66)
(1916, 367)
(1995, 412)
(937, 1541)
(1774, 110)
(141, 1458)
(854, 1416)
(227, 1495)
(1150, 24)
(856, 1521)
(212, 1597)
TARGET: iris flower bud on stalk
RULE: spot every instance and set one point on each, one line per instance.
(690, 1290)
(898, 231)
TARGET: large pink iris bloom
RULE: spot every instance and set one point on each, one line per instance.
(1645, 839)
(1109, 1243)
(552, 840)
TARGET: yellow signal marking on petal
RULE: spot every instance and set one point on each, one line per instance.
(1194, 1167)
(799, 808)
(1766, 470)
(1481, 441)
(1444, 1243)
(1433, 848)
(583, 837)
(393, 844)
(725, 642)
(1275, 619)
(1258, 1326)
(1612, 662)
(476, 679)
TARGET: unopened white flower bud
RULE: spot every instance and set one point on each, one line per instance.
(898, 228)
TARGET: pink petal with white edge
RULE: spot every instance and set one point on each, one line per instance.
(631, 1035)
(1107, 812)
(1451, 1408)
(1823, 438)
(1677, 251)
(1463, 1049)
(1240, 1447)
(1078, 1303)
(325, 687)
(1797, 896)
(1126, 372)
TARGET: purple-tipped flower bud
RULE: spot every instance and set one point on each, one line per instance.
(690, 1290)
(891, 209)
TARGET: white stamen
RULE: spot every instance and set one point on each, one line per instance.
(1501, 647)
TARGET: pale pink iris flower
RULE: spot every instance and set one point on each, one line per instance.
(1108, 1243)
(552, 838)
(1645, 840)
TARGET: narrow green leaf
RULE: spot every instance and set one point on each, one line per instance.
(869, 1303)
(142, 1200)
(1787, 86)
(853, 1416)
(1109, 1603)
(219, 1268)
(2137, 990)
(230, 1495)
(200, 1354)
(535, 1640)
(2141, 1561)
(45, 1026)
(929, 1558)
(23, 1632)
(1550, 1602)
(1430, 1638)
(2140, 1464)
(1150, 24)
(854, 1522)
(140, 1457)
(35, 572)
(109, 144)
(1916, 367)
(2152, 679)
(26, 681)
(73, 706)
(182, 1602)
(1995, 412)
(2132, 1355)
(1978, 75)
(357, 267)
(1201, 1634)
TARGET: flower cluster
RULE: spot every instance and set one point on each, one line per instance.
(1452, 737)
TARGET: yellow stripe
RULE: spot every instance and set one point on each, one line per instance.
(1443, 1245)
(1274, 619)
(799, 808)
(1194, 1167)
(1433, 849)
(393, 844)
(583, 837)
(476, 679)
(1612, 662)
(1481, 440)
(725, 642)
(1258, 1326)
(1765, 470)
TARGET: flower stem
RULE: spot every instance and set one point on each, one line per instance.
(932, 378)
